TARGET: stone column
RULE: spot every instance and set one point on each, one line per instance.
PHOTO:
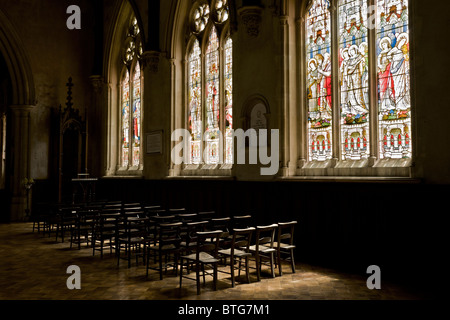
(20, 152)
(285, 94)
(94, 129)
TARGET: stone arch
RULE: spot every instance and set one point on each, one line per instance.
(112, 74)
(22, 83)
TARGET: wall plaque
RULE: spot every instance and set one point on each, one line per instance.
(155, 142)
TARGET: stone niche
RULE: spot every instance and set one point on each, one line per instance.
(256, 116)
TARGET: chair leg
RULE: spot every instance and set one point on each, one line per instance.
(292, 261)
(160, 266)
(181, 271)
(176, 257)
(271, 265)
(215, 276)
(197, 272)
(280, 270)
(118, 254)
(258, 268)
(247, 269)
(129, 255)
(203, 273)
(232, 270)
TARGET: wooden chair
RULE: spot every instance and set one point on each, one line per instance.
(105, 232)
(240, 249)
(206, 215)
(284, 244)
(186, 217)
(131, 238)
(263, 249)
(189, 238)
(223, 224)
(166, 249)
(205, 255)
(241, 222)
(66, 221)
(176, 211)
(83, 228)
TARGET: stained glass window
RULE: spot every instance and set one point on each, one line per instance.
(354, 79)
(222, 10)
(131, 100)
(229, 101)
(393, 79)
(362, 116)
(137, 115)
(201, 17)
(125, 119)
(195, 103)
(319, 73)
(212, 99)
(209, 104)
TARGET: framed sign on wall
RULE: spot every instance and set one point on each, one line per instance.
(154, 142)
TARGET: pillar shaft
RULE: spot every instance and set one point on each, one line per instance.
(20, 153)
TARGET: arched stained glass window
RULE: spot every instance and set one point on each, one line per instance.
(212, 98)
(373, 80)
(393, 79)
(137, 116)
(229, 101)
(354, 79)
(131, 87)
(210, 86)
(319, 73)
(195, 122)
(126, 119)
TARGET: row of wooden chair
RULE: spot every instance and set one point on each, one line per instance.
(203, 248)
(176, 238)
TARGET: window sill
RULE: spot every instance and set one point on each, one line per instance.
(127, 172)
(207, 170)
(381, 169)
(351, 179)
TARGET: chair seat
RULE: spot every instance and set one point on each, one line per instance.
(164, 247)
(203, 257)
(107, 234)
(131, 240)
(262, 249)
(237, 252)
(286, 246)
(191, 244)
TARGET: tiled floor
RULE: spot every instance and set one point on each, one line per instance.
(33, 267)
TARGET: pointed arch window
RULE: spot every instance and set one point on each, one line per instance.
(209, 84)
(131, 100)
(358, 80)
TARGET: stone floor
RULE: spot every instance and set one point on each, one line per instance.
(33, 267)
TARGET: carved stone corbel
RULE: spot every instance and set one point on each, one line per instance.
(150, 59)
(251, 17)
(96, 83)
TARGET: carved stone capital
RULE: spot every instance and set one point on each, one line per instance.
(22, 110)
(150, 59)
(251, 18)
